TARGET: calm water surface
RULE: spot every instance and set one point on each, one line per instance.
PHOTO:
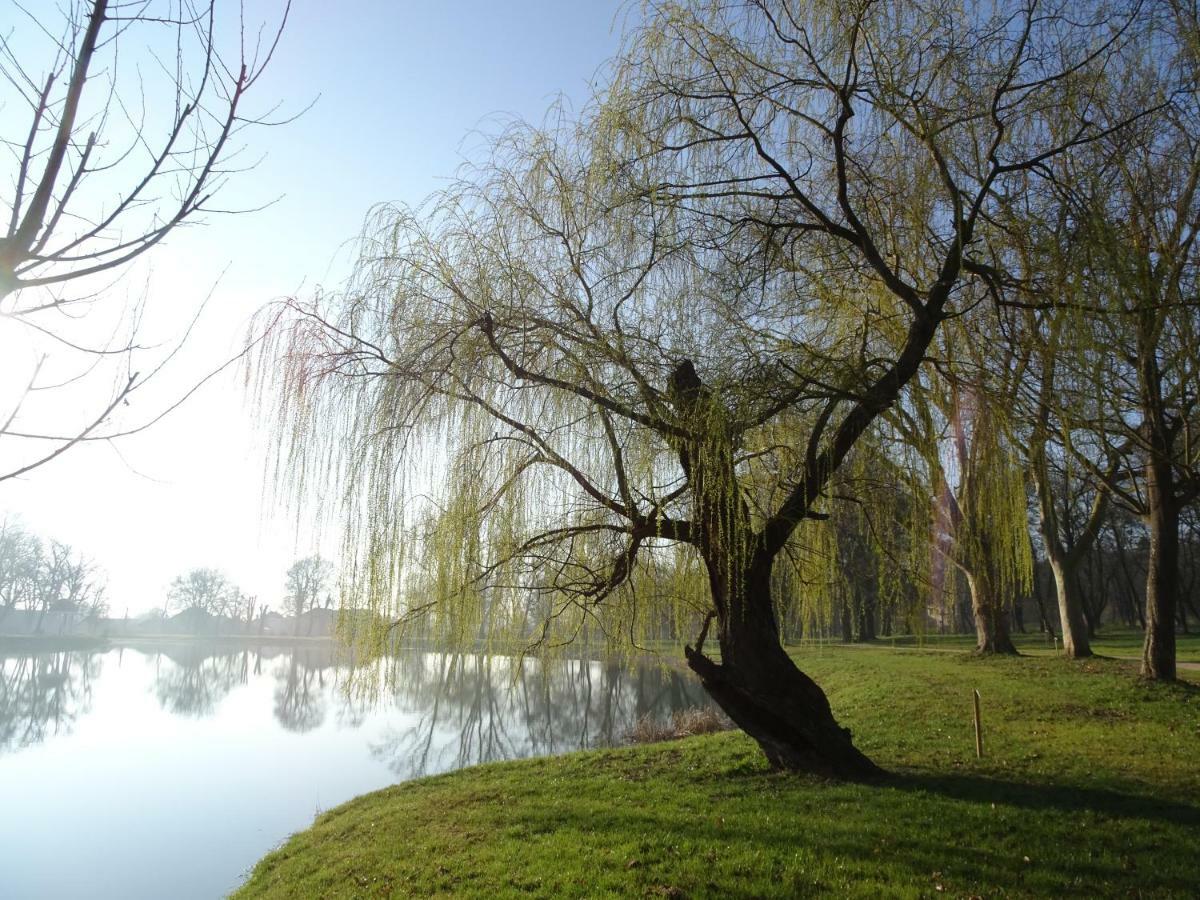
(168, 771)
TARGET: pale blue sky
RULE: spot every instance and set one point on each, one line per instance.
(404, 90)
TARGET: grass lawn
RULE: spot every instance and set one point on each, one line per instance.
(1090, 786)
(1120, 643)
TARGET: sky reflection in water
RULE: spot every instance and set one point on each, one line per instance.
(168, 771)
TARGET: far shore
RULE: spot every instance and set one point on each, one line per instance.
(87, 642)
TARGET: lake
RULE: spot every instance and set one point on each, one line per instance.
(167, 770)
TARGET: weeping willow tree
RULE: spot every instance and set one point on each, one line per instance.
(638, 348)
(958, 420)
(991, 537)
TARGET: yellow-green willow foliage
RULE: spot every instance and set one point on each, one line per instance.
(959, 435)
(992, 537)
(586, 383)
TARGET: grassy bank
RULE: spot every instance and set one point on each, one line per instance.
(1121, 643)
(1090, 786)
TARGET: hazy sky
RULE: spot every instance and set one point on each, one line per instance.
(403, 91)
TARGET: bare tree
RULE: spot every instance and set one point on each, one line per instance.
(306, 580)
(20, 562)
(47, 577)
(134, 116)
(206, 590)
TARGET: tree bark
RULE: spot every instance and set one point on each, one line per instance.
(1065, 561)
(991, 618)
(1162, 574)
(866, 618)
(1075, 630)
(761, 689)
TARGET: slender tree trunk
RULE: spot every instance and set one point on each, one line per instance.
(866, 622)
(1064, 562)
(760, 688)
(1091, 610)
(1070, 609)
(1131, 590)
(1040, 599)
(1162, 574)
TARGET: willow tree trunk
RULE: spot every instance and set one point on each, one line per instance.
(756, 683)
(991, 618)
(1162, 574)
(761, 689)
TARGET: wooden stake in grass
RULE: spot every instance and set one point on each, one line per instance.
(978, 730)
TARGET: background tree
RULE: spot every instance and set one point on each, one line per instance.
(204, 590)
(1132, 280)
(1071, 504)
(133, 121)
(244, 607)
(47, 577)
(955, 420)
(664, 330)
(305, 586)
(20, 563)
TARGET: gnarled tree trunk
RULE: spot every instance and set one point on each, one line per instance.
(756, 683)
(761, 689)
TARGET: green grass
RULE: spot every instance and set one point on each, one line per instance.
(1090, 786)
(1119, 643)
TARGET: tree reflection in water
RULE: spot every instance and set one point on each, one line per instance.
(433, 711)
(43, 694)
(300, 690)
(191, 680)
(473, 709)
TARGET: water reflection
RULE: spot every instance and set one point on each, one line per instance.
(191, 682)
(475, 709)
(450, 710)
(300, 692)
(196, 733)
(43, 694)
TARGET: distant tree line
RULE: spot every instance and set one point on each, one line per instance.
(47, 576)
(210, 592)
(42, 576)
